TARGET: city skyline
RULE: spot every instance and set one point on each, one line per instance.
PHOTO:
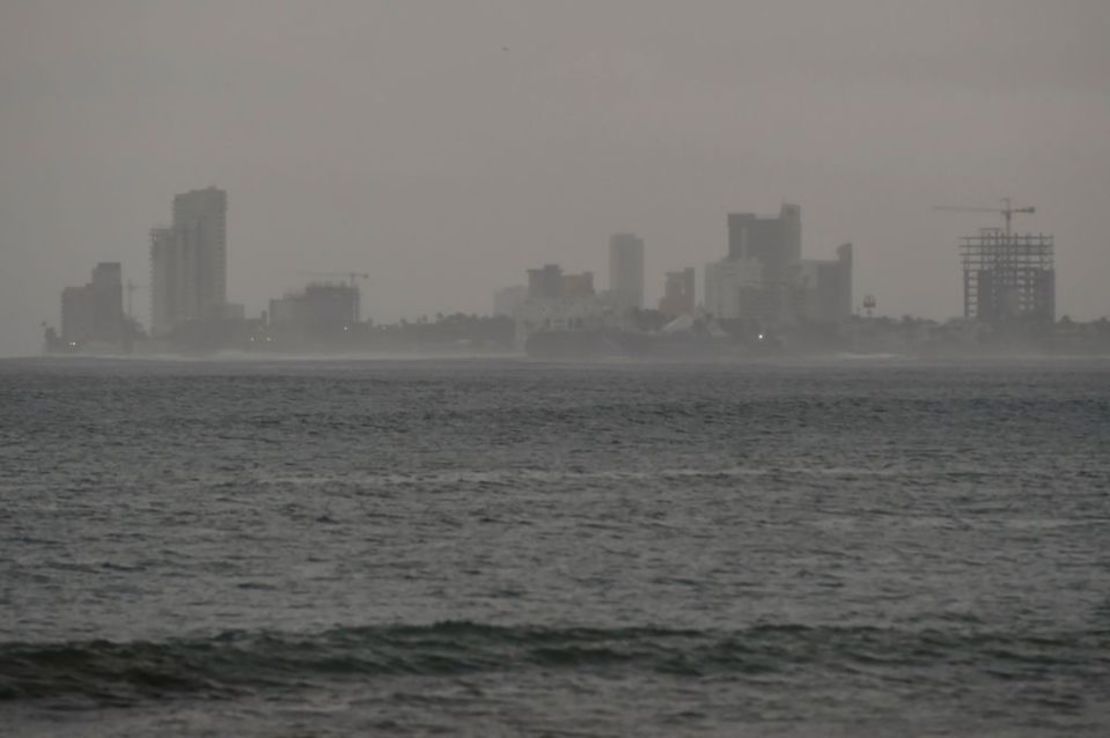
(517, 134)
(524, 367)
(188, 277)
(762, 275)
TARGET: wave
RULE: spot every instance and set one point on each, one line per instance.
(242, 662)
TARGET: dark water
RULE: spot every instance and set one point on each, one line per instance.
(483, 548)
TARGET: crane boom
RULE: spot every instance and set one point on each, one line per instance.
(1008, 211)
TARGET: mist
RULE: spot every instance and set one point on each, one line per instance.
(505, 367)
(444, 148)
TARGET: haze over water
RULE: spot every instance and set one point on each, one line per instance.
(483, 548)
(736, 545)
(446, 147)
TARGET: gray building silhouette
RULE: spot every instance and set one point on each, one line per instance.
(775, 241)
(626, 270)
(188, 261)
(93, 313)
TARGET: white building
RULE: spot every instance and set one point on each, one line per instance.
(588, 313)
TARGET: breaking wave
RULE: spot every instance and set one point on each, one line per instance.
(237, 663)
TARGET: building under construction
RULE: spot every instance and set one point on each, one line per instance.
(1009, 277)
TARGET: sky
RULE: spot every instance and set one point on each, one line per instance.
(445, 147)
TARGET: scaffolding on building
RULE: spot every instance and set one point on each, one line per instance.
(1009, 276)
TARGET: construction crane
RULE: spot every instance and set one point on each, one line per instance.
(1007, 276)
(1007, 210)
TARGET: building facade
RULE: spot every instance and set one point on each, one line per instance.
(626, 270)
(188, 261)
(775, 244)
(545, 283)
(578, 285)
(1009, 278)
(826, 287)
(93, 313)
(556, 301)
(775, 241)
(322, 310)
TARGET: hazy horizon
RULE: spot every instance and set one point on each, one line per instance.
(445, 148)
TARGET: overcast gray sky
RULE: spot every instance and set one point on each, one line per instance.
(445, 147)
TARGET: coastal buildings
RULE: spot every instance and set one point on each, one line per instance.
(762, 288)
(776, 241)
(626, 270)
(93, 313)
(765, 282)
(188, 262)
(557, 301)
(319, 311)
(761, 295)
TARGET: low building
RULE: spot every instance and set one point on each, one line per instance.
(564, 302)
(593, 312)
(322, 310)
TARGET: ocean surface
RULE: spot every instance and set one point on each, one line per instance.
(330, 548)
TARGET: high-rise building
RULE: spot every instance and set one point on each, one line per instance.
(94, 312)
(678, 293)
(165, 275)
(626, 270)
(1009, 277)
(188, 261)
(775, 241)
